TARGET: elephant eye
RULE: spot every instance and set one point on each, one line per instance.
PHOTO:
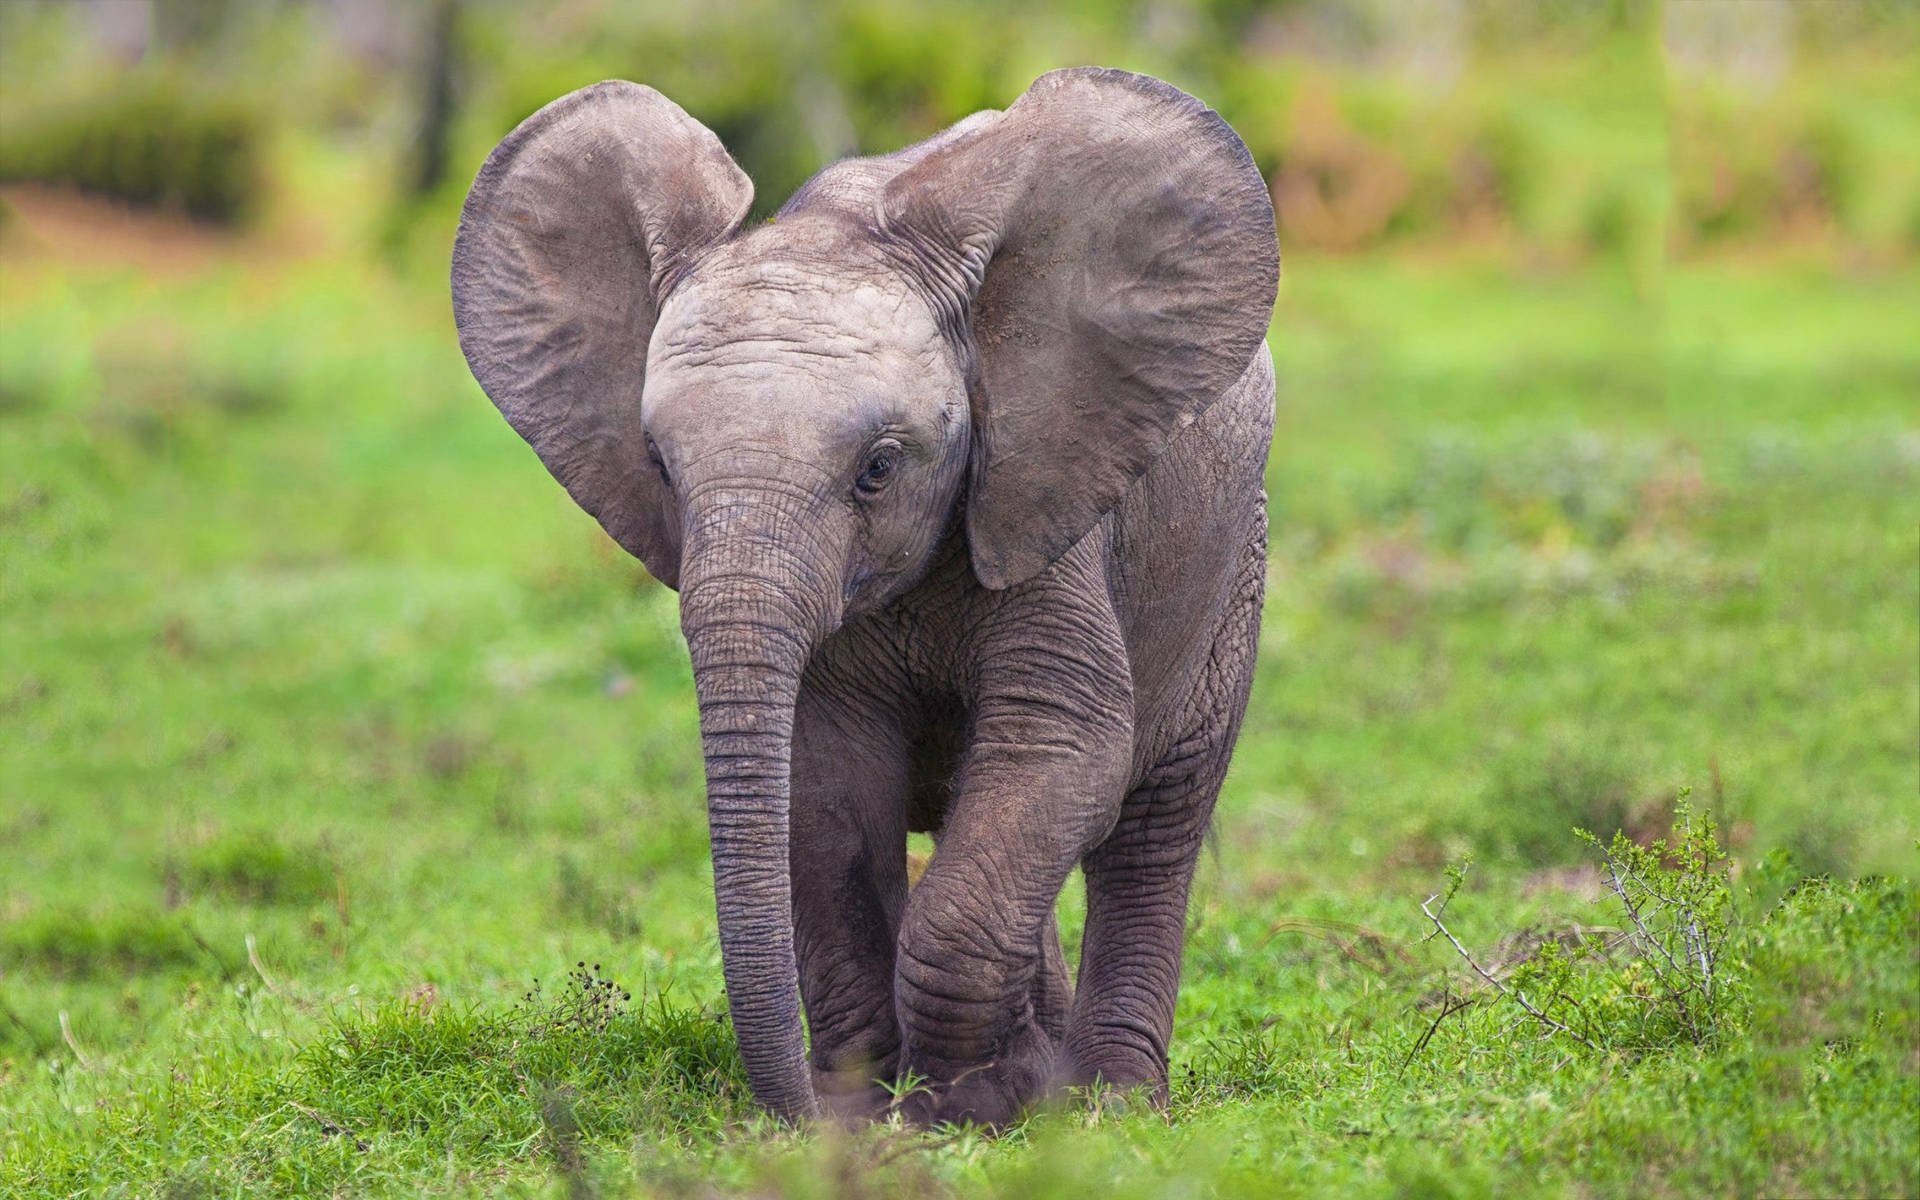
(653, 452)
(879, 467)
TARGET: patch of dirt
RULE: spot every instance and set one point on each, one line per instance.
(70, 226)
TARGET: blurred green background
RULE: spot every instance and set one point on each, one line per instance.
(1597, 476)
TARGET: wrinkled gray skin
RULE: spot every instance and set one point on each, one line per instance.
(957, 468)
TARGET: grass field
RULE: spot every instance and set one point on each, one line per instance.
(328, 726)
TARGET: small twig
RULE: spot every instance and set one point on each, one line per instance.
(331, 1127)
(989, 1065)
(226, 969)
(253, 956)
(1642, 935)
(1640, 879)
(66, 1035)
(1447, 1008)
(1700, 948)
(1502, 988)
(1383, 947)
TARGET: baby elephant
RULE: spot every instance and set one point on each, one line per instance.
(956, 464)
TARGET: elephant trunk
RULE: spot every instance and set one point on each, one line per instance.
(750, 626)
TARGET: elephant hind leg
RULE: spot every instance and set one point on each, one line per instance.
(1137, 888)
(1138, 880)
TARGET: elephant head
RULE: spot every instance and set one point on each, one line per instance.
(988, 335)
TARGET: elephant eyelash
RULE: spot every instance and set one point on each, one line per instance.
(660, 464)
(882, 459)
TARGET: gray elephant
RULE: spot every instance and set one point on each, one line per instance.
(957, 467)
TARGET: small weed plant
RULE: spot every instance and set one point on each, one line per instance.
(1676, 907)
(588, 1002)
(1667, 973)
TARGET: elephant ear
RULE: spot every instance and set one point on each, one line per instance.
(576, 227)
(1109, 245)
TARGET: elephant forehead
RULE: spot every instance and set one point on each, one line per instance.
(765, 328)
(757, 309)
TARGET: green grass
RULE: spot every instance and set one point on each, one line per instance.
(330, 725)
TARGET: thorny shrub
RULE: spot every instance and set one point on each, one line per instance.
(1669, 972)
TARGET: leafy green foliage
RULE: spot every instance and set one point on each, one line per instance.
(1668, 971)
(1552, 126)
(1676, 912)
(158, 140)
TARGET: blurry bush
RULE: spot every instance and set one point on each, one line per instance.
(155, 139)
(788, 88)
(1794, 122)
(1792, 165)
(1563, 129)
(1604, 128)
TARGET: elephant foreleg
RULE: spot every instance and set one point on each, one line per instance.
(849, 890)
(978, 980)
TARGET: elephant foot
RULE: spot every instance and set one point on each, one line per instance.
(1117, 1078)
(854, 1094)
(993, 1094)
